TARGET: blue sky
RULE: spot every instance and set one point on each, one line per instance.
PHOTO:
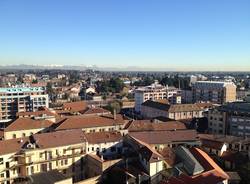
(171, 34)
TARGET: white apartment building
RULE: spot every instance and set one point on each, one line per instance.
(152, 92)
(21, 99)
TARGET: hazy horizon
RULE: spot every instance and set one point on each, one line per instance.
(153, 35)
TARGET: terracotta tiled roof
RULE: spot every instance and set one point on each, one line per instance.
(79, 122)
(164, 137)
(36, 113)
(148, 125)
(147, 151)
(60, 138)
(75, 106)
(103, 137)
(27, 124)
(169, 155)
(184, 108)
(213, 174)
(12, 145)
(94, 111)
(173, 107)
(205, 105)
(212, 144)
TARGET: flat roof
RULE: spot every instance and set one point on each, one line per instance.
(22, 89)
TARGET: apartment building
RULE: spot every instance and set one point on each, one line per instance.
(214, 91)
(20, 158)
(14, 100)
(173, 95)
(152, 92)
(152, 109)
(232, 119)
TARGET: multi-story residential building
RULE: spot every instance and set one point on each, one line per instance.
(63, 150)
(232, 119)
(173, 95)
(152, 109)
(153, 92)
(214, 91)
(26, 99)
(8, 80)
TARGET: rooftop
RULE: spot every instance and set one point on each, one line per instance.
(151, 125)
(103, 137)
(27, 124)
(172, 107)
(21, 90)
(80, 122)
(164, 137)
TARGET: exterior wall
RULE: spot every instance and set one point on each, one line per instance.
(96, 167)
(66, 181)
(6, 163)
(20, 133)
(142, 96)
(217, 122)
(239, 125)
(148, 112)
(185, 115)
(67, 159)
(14, 100)
(103, 129)
(229, 93)
(104, 148)
(216, 92)
(155, 167)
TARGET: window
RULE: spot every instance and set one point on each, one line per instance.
(14, 136)
(1, 161)
(64, 151)
(66, 161)
(24, 135)
(2, 175)
(32, 169)
(92, 148)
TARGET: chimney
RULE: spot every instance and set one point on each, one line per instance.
(114, 114)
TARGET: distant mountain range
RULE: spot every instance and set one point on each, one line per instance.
(80, 67)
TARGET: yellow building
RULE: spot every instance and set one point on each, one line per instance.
(63, 150)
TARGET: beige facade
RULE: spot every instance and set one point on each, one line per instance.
(22, 158)
(20, 133)
(152, 112)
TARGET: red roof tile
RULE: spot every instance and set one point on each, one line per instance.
(102, 137)
(80, 122)
(148, 125)
(164, 137)
(27, 124)
(12, 145)
(60, 138)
